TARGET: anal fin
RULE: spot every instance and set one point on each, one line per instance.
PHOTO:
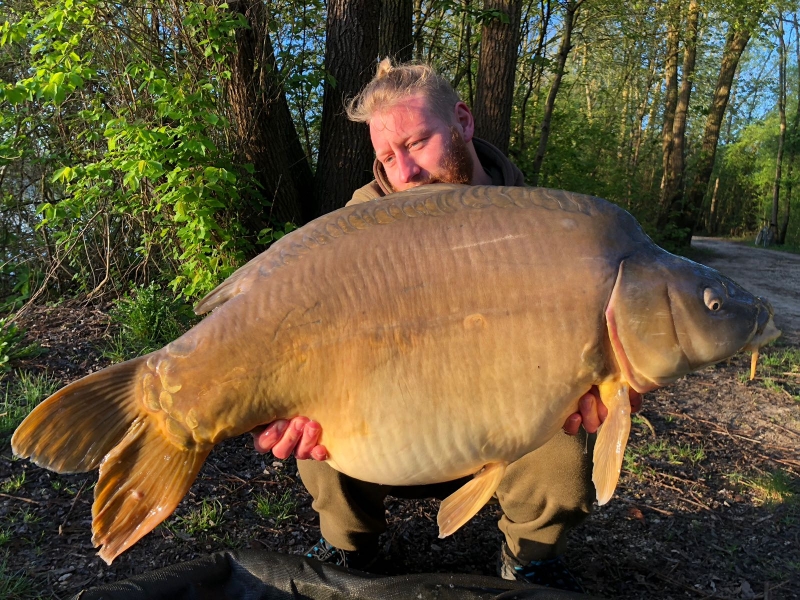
(463, 504)
(612, 438)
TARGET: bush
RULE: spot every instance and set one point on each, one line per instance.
(149, 318)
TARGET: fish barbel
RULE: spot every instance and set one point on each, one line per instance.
(434, 334)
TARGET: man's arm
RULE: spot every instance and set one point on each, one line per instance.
(300, 435)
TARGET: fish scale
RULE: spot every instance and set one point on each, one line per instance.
(433, 334)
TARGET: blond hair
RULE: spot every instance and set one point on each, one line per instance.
(394, 83)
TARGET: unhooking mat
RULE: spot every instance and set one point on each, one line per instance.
(262, 575)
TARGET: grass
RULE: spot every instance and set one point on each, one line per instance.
(660, 450)
(278, 509)
(676, 455)
(15, 586)
(771, 488)
(202, 519)
(13, 484)
(11, 344)
(779, 370)
(21, 397)
(28, 516)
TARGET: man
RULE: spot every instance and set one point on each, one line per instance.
(423, 133)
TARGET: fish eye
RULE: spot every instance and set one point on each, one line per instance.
(712, 300)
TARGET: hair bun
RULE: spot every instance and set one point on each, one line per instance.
(384, 67)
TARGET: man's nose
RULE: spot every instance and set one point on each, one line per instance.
(407, 168)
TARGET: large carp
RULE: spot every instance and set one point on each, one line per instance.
(434, 334)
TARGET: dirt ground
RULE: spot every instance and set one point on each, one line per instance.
(708, 505)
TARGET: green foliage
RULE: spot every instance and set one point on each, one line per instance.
(15, 586)
(12, 346)
(21, 397)
(202, 519)
(674, 455)
(779, 370)
(149, 318)
(770, 488)
(276, 508)
(144, 160)
(13, 483)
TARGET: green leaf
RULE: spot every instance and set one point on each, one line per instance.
(65, 174)
(15, 95)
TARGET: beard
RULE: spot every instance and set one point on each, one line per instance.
(457, 163)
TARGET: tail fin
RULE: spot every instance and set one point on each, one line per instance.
(101, 420)
(76, 427)
(141, 482)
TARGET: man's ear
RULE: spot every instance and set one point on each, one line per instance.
(465, 120)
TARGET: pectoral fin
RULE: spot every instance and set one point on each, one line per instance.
(611, 439)
(463, 504)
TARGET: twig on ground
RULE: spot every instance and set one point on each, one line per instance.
(648, 424)
(20, 498)
(71, 508)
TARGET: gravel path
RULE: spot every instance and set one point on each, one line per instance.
(772, 274)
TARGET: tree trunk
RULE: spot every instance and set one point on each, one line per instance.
(263, 124)
(345, 150)
(395, 37)
(535, 79)
(671, 191)
(776, 188)
(734, 47)
(794, 133)
(671, 81)
(712, 215)
(561, 60)
(497, 67)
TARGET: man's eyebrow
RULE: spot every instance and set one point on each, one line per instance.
(423, 132)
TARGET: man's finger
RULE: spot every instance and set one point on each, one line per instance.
(319, 452)
(588, 410)
(572, 424)
(264, 438)
(286, 445)
(311, 433)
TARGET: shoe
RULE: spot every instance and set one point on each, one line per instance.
(552, 573)
(324, 551)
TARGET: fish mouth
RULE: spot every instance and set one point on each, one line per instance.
(765, 329)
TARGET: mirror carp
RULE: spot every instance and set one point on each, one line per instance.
(437, 333)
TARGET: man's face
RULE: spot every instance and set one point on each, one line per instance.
(415, 146)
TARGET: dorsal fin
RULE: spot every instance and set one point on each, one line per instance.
(236, 284)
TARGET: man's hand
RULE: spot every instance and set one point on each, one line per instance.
(299, 435)
(592, 412)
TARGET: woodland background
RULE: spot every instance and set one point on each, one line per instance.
(169, 141)
(149, 148)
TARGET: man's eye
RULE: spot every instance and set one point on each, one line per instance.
(388, 160)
